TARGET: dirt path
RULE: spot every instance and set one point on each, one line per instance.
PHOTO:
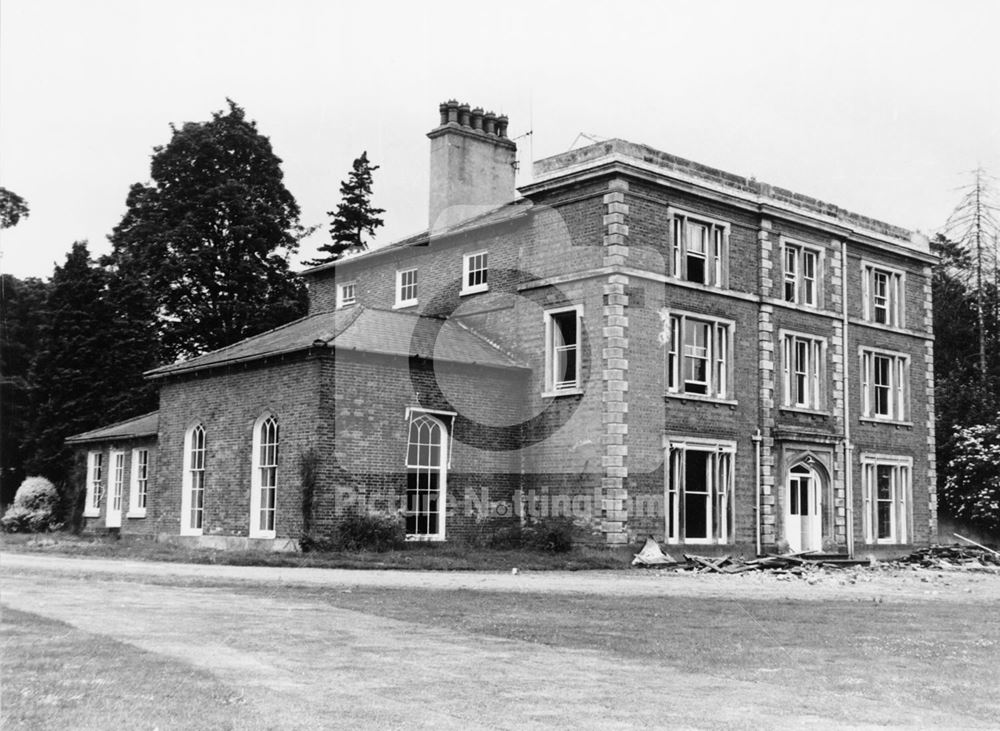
(849, 585)
(304, 664)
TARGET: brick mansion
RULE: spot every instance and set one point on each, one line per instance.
(640, 342)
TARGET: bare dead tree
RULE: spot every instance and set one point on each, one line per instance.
(969, 225)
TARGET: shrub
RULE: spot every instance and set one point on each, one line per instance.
(35, 508)
(548, 535)
(364, 532)
(551, 535)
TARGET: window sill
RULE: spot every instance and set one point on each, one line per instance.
(473, 290)
(887, 422)
(702, 399)
(696, 542)
(345, 305)
(565, 392)
(404, 305)
(189, 532)
(92, 513)
(262, 536)
(424, 539)
(136, 514)
(804, 410)
(695, 284)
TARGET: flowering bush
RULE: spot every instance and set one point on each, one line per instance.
(36, 505)
(972, 488)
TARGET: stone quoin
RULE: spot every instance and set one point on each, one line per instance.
(639, 342)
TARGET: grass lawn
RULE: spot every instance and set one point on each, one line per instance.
(452, 556)
(941, 654)
(756, 659)
(56, 676)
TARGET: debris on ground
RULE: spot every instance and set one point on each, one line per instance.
(652, 555)
(954, 557)
(813, 566)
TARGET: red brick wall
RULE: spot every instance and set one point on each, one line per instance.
(227, 403)
(131, 525)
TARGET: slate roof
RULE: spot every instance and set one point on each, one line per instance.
(140, 426)
(361, 329)
(506, 212)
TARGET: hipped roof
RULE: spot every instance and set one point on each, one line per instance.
(361, 329)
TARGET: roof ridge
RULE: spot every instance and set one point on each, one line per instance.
(352, 318)
(477, 334)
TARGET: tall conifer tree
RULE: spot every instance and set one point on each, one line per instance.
(355, 215)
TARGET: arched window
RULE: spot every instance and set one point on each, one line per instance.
(426, 461)
(193, 482)
(264, 477)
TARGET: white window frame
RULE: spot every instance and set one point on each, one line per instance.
(190, 470)
(718, 354)
(552, 386)
(347, 294)
(138, 483)
(716, 254)
(95, 484)
(116, 489)
(897, 390)
(795, 275)
(474, 263)
(900, 500)
(405, 284)
(415, 467)
(814, 375)
(894, 305)
(263, 470)
(719, 503)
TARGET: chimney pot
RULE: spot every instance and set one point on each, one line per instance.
(472, 165)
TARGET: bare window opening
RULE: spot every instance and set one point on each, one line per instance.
(699, 492)
(562, 330)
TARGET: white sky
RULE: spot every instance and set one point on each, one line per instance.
(877, 106)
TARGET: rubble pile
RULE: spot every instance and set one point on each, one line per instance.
(967, 558)
(810, 565)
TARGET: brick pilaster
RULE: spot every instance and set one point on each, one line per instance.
(838, 362)
(766, 366)
(932, 497)
(614, 370)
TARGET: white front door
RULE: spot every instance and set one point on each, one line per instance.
(116, 491)
(803, 527)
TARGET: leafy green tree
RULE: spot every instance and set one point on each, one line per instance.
(209, 240)
(972, 487)
(23, 307)
(355, 215)
(74, 373)
(967, 398)
(12, 208)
